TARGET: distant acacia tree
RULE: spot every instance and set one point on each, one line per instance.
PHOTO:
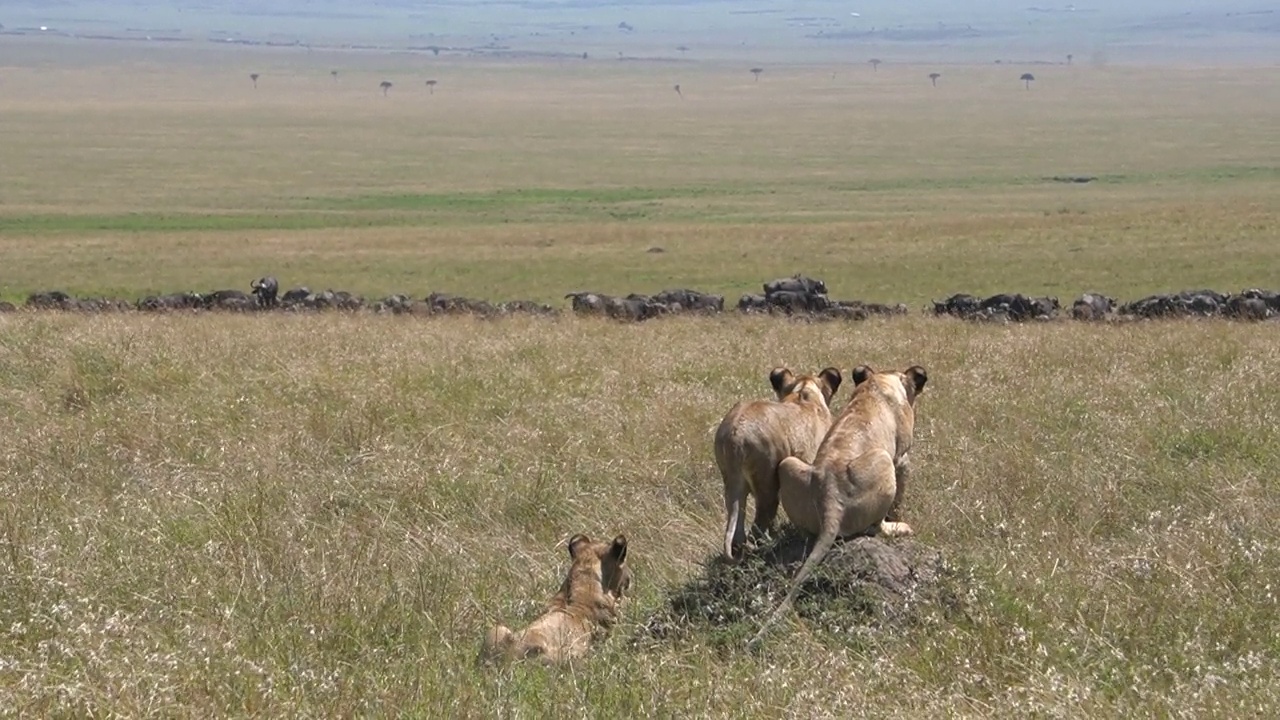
(933, 77)
(756, 72)
(385, 85)
(254, 77)
(875, 64)
(1027, 78)
(678, 91)
(431, 87)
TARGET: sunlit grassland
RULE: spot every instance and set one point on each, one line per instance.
(319, 515)
(532, 180)
(322, 514)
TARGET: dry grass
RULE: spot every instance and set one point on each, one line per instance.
(164, 169)
(320, 515)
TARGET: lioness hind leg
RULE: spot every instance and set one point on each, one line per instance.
(902, 473)
(766, 491)
(499, 636)
(734, 515)
(497, 642)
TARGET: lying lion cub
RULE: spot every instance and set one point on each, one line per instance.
(854, 481)
(584, 609)
(756, 435)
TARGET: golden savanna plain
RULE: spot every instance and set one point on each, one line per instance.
(320, 514)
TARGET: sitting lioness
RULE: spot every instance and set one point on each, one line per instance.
(585, 608)
(854, 481)
(757, 434)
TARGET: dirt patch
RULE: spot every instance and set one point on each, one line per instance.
(864, 582)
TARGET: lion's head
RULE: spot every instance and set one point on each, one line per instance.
(805, 387)
(905, 385)
(615, 575)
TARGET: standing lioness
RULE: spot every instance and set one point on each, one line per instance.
(584, 609)
(757, 434)
(857, 474)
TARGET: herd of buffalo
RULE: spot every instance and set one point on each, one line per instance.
(796, 296)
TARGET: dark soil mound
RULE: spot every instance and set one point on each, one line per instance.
(864, 581)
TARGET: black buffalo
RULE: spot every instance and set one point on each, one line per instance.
(796, 283)
(1092, 306)
(266, 289)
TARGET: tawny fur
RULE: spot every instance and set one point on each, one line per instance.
(586, 607)
(854, 481)
(756, 435)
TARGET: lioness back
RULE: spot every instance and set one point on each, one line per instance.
(857, 476)
(756, 435)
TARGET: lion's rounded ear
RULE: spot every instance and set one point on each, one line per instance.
(860, 374)
(576, 543)
(916, 379)
(780, 378)
(619, 548)
(833, 378)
